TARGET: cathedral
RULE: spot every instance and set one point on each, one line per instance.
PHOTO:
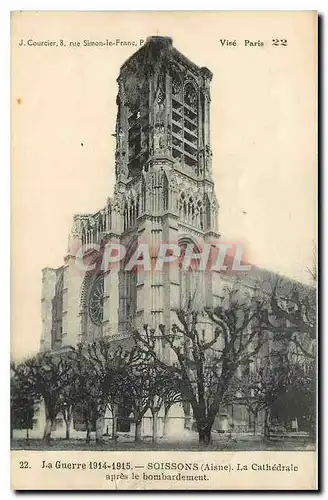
(164, 191)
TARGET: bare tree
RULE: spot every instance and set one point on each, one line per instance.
(259, 390)
(23, 401)
(68, 398)
(292, 316)
(204, 366)
(47, 375)
(296, 399)
(144, 385)
(164, 393)
(86, 387)
(137, 383)
(100, 369)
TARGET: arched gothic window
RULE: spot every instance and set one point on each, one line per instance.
(199, 213)
(184, 122)
(190, 97)
(176, 85)
(165, 193)
(143, 195)
(137, 206)
(131, 296)
(191, 211)
(92, 303)
(208, 212)
(96, 301)
(125, 217)
(131, 213)
(183, 207)
(57, 312)
(128, 293)
(191, 279)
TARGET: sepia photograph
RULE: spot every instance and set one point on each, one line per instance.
(164, 244)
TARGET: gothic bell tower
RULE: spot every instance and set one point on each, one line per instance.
(163, 111)
(163, 175)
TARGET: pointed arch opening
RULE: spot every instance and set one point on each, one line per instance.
(165, 192)
(208, 212)
(57, 311)
(190, 277)
(184, 122)
(128, 281)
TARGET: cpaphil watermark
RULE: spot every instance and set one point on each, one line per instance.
(113, 256)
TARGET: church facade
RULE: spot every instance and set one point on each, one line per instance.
(164, 192)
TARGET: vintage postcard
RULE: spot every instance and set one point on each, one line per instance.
(164, 241)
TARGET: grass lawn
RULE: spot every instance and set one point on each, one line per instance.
(219, 443)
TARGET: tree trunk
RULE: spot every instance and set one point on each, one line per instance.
(204, 427)
(204, 436)
(68, 425)
(204, 423)
(27, 436)
(154, 434)
(137, 436)
(254, 426)
(47, 430)
(166, 420)
(99, 430)
(114, 426)
(88, 436)
(266, 424)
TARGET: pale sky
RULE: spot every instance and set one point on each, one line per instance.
(263, 135)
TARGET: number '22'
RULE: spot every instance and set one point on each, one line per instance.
(276, 41)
